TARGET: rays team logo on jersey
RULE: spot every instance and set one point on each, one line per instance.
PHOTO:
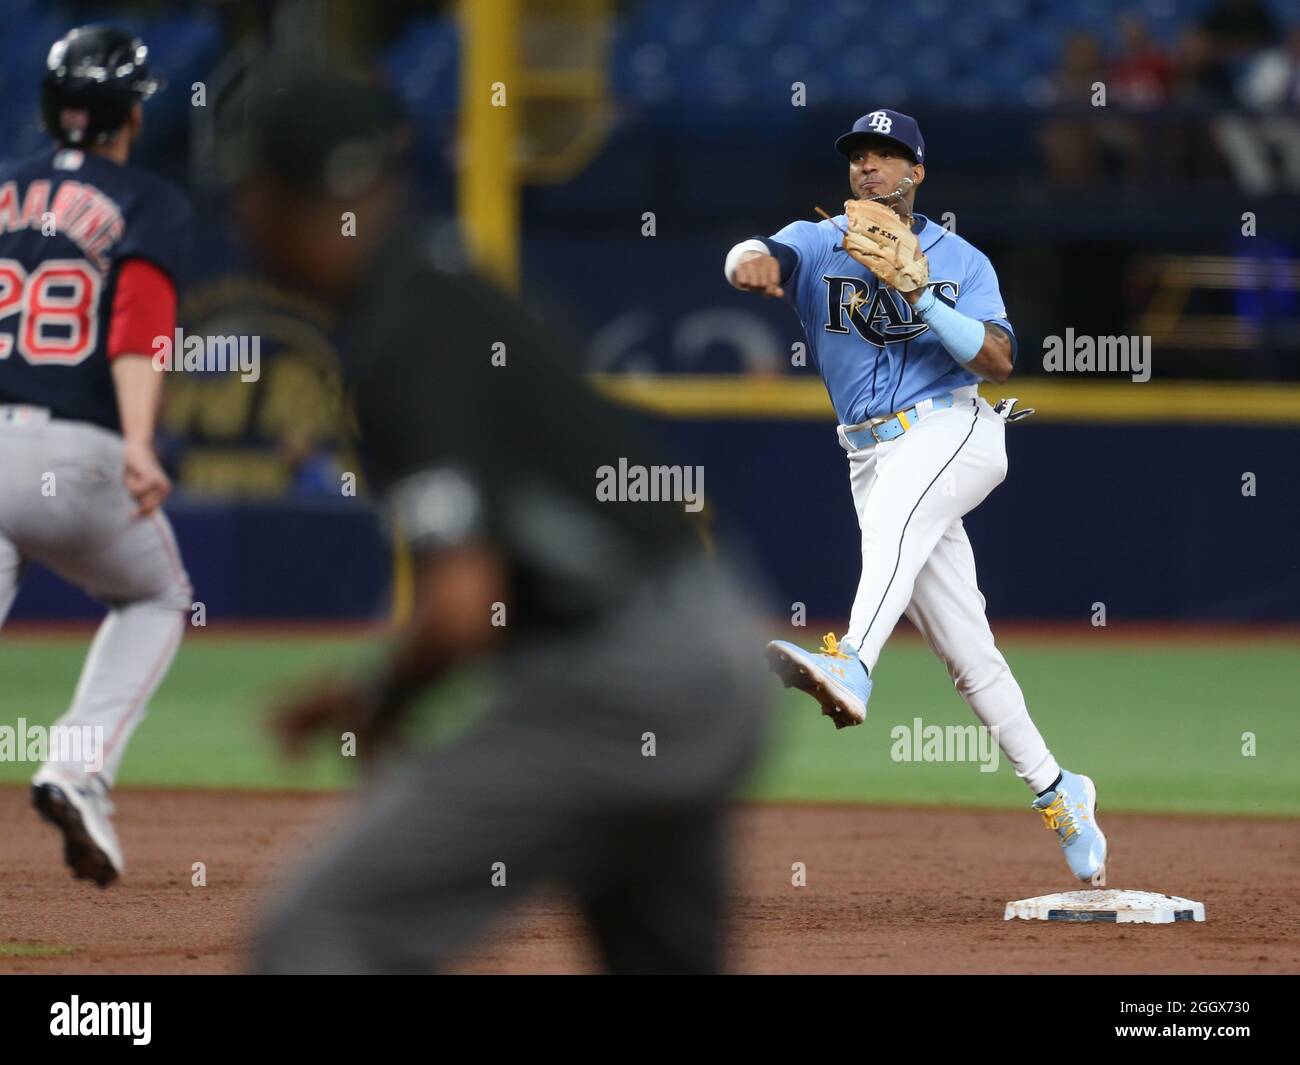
(877, 314)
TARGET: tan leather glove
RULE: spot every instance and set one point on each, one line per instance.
(885, 245)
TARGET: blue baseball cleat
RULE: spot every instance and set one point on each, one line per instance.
(834, 677)
(1071, 812)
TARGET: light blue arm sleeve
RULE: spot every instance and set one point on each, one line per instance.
(961, 336)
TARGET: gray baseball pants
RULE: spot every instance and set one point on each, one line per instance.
(63, 504)
(604, 767)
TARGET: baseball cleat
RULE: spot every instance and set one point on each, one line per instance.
(80, 809)
(834, 677)
(1071, 812)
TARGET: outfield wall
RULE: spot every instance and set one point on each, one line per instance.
(1150, 520)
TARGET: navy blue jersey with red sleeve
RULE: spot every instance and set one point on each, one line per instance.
(74, 227)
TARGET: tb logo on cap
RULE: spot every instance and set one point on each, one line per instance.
(880, 122)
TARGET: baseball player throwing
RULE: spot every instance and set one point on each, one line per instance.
(89, 252)
(904, 319)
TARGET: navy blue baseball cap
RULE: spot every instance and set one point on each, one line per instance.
(892, 126)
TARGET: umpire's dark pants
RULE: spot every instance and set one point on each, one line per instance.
(558, 785)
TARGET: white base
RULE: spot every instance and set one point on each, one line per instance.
(1114, 906)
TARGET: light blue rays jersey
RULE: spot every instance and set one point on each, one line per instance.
(875, 356)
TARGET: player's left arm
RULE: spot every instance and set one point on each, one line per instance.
(148, 265)
(144, 309)
(975, 332)
(996, 357)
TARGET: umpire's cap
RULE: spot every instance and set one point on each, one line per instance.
(318, 131)
(892, 126)
(92, 77)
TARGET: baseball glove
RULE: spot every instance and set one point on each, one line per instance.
(885, 245)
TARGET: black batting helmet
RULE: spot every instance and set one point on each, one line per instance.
(92, 77)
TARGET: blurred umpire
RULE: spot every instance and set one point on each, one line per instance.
(626, 705)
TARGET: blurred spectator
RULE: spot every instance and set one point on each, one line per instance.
(1140, 77)
(1069, 144)
(1264, 149)
(1200, 80)
(1081, 66)
(1238, 27)
(1081, 144)
(1273, 78)
(1199, 76)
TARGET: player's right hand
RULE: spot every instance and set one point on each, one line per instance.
(759, 273)
(144, 478)
(336, 706)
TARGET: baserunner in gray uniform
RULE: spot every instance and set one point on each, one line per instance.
(625, 703)
(90, 250)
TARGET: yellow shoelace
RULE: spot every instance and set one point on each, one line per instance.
(831, 646)
(1057, 815)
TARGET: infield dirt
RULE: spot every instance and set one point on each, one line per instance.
(888, 890)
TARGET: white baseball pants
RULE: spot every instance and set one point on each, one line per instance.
(910, 494)
(63, 504)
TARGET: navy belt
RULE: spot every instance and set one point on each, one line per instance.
(877, 430)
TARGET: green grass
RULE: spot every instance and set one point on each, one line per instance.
(34, 950)
(207, 725)
(1159, 725)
